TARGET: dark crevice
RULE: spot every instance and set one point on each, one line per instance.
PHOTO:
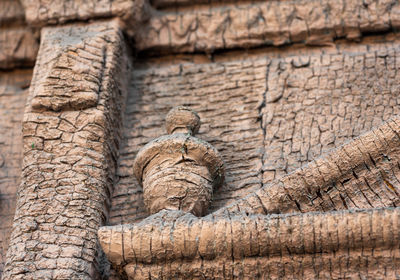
(261, 108)
(266, 46)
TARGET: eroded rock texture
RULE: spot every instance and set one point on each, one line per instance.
(18, 42)
(267, 116)
(13, 92)
(343, 244)
(179, 171)
(275, 23)
(45, 12)
(360, 174)
(69, 156)
(225, 95)
(280, 87)
(246, 238)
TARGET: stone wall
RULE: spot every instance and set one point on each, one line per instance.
(13, 92)
(277, 84)
(18, 41)
(268, 112)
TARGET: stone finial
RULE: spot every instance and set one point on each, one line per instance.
(179, 171)
(182, 120)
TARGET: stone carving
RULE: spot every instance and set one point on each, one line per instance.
(178, 171)
(69, 152)
(271, 111)
(257, 234)
(74, 70)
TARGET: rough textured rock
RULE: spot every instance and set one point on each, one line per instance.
(179, 171)
(44, 12)
(73, 71)
(274, 23)
(69, 160)
(263, 126)
(18, 42)
(182, 120)
(347, 244)
(316, 102)
(224, 95)
(278, 85)
(13, 92)
(361, 174)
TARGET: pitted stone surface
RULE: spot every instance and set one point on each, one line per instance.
(18, 42)
(182, 120)
(246, 24)
(179, 171)
(263, 123)
(224, 95)
(69, 160)
(308, 246)
(13, 92)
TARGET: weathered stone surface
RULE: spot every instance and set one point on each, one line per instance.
(43, 12)
(225, 96)
(176, 245)
(182, 120)
(316, 102)
(11, 13)
(179, 171)
(69, 159)
(271, 112)
(18, 47)
(13, 91)
(273, 23)
(361, 174)
(262, 126)
(72, 69)
(18, 42)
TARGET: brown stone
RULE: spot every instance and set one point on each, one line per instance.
(52, 170)
(300, 98)
(179, 171)
(351, 235)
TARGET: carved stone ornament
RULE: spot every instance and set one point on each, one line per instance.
(179, 171)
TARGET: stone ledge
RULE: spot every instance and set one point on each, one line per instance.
(154, 246)
(260, 228)
(41, 13)
(247, 25)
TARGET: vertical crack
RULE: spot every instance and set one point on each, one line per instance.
(260, 108)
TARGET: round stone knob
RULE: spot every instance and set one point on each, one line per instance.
(182, 120)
